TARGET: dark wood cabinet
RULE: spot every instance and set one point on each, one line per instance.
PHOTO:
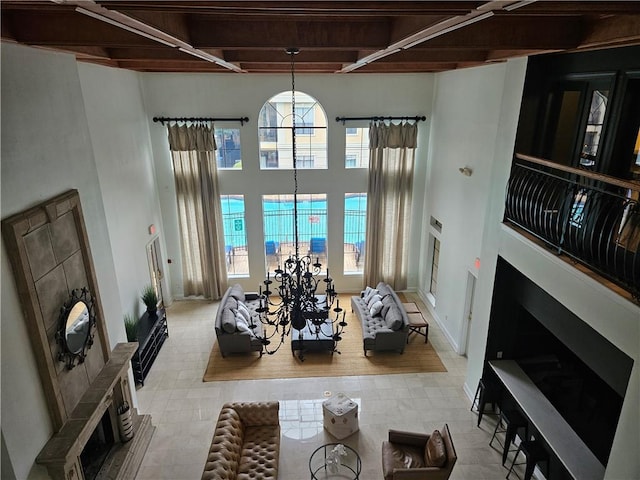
(152, 332)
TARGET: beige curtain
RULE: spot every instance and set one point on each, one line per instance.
(391, 158)
(200, 216)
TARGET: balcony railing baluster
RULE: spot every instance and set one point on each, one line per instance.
(593, 218)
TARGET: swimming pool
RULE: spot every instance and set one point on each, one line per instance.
(278, 219)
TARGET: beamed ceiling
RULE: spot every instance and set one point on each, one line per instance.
(333, 36)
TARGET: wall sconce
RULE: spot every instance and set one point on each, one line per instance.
(466, 171)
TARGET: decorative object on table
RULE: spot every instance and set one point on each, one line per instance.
(299, 304)
(131, 327)
(408, 455)
(125, 422)
(340, 416)
(150, 299)
(334, 459)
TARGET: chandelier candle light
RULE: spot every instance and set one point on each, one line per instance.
(300, 306)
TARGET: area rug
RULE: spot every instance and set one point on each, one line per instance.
(417, 357)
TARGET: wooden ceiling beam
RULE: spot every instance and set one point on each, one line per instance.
(538, 33)
(612, 31)
(279, 55)
(71, 29)
(279, 8)
(283, 67)
(170, 23)
(578, 8)
(284, 33)
(171, 66)
(449, 55)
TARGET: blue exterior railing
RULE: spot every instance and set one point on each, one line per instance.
(593, 218)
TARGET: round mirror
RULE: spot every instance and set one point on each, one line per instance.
(77, 327)
(75, 330)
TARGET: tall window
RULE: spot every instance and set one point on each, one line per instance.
(228, 154)
(355, 223)
(274, 132)
(279, 234)
(356, 148)
(435, 260)
(235, 234)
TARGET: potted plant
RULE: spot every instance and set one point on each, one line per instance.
(131, 327)
(150, 299)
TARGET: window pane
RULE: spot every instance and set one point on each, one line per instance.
(235, 234)
(435, 259)
(355, 222)
(279, 227)
(275, 133)
(228, 154)
(593, 130)
(356, 148)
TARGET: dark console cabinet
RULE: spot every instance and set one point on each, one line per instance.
(152, 332)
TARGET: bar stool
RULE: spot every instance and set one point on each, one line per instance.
(534, 453)
(485, 393)
(513, 421)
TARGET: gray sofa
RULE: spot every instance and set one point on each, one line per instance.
(232, 324)
(385, 326)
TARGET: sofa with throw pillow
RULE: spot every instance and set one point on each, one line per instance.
(236, 313)
(408, 455)
(385, 324)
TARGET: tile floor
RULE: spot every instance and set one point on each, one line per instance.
(184, 409)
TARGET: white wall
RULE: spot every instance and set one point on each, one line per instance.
(615, 318)
(119, 129)
(54, 139)
(472, 109)
(230, 95)
(46, 150)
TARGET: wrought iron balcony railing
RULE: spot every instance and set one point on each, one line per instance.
(593, 218)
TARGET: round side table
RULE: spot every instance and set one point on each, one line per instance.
(347, 466)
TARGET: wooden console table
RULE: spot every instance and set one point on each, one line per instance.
(563, 441)
(152, 332)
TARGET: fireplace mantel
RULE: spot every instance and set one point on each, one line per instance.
(61, 454)
(48, 247)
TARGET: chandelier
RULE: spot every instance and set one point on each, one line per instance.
(292, 298)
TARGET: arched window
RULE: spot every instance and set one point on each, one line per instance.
(274, 133)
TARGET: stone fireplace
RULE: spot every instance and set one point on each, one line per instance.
(51, 259)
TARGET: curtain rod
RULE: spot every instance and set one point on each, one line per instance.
(242, 120)
(375, 119)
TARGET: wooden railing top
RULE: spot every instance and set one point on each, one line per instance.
(584, 173)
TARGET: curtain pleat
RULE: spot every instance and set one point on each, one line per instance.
(391, 159)
(199, 212)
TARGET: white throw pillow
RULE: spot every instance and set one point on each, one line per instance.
(375, 298)
(376, 308)
(369, 292)
(244, 311)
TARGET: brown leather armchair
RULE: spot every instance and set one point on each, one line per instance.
(418, 456)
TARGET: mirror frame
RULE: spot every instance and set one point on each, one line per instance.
(65, 354)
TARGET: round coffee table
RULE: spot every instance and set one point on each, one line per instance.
(348, 466)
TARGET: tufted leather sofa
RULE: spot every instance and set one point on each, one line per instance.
(387, 329)
(246, 442)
